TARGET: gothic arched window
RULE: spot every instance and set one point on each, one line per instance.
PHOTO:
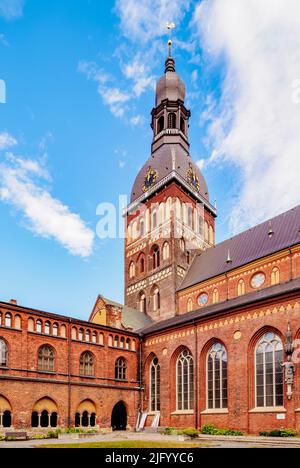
(160, 124)
(155, 385)
(46, 359)
(217, 377)
(142, 264)
(185, 381)
(156, 299)
(215, 296)
(166, 251)
(87, 364)
(143, 303)
(268, 371)
(121, 369)
(241, 288)
(172, 120)
(3, 354)
(182, 125)
(156, 257)
(190, 305)
(275, 277)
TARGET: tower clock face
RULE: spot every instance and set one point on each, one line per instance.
(193, 179)
(150, 179)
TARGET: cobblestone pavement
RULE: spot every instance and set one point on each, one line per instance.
(205, 441)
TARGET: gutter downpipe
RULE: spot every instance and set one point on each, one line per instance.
(69, 375)
(196, 379)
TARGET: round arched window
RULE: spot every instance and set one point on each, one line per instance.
(258, 280)
(203, 299)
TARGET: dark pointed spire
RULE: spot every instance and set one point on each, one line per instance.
(170, 62)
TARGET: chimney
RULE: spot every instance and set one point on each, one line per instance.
(13, 302)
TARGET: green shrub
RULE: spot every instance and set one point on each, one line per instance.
(210, 429)
(39, 437)
(279, 433)
(192, 433)
(170, 431)
(52, 435)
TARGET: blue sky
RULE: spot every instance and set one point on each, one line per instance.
(76, 129)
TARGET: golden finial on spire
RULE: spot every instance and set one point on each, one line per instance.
(170, 27)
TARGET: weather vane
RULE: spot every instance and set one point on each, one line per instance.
(170, 27)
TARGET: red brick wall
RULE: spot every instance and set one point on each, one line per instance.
(227, 285)
(23, 385)
(251, 323)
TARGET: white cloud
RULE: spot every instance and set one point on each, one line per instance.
(21, 186)
(112, 96)
(11, 9)
(137, 120)
(140, 73)
(145, 20)
(257, 124)
(6, 141)
(3, 40)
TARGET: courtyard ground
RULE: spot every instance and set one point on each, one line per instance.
(146, 440)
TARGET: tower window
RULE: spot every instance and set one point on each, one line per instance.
(182, 125)
(156, 257)
(160, 124)
(143, 303)
(172, 120)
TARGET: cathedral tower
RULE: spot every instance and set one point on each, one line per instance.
(169, 218)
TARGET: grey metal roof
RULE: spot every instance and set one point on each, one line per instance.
(231, 305)
(168, 158)
(246, 247)
(131, 318)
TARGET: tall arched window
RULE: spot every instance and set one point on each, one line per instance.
(143, 303)
(268, 370)
(182, 125)
(211, 235)
(217, 377)
(190, 213)
(80, 334)
(3, 354)
(142, 228)
(241, 288)
(172, 120)
(206, 232)
(132, 270)
(156, 299)
(190, 305)
(8, 320)
(155, 385)
(142, 264)
(215, 296)
(121, 369)
(46, 359)
(185, 381)
(166, 251)
(160, 124)
(55, 329)
(87, 364)
(275, 277)
(39, 326)
(154, 220)
(201, 226)
(155, 257)
(47, 328)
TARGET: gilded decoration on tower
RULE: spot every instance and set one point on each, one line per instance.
(150, 179)
(193, 179)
